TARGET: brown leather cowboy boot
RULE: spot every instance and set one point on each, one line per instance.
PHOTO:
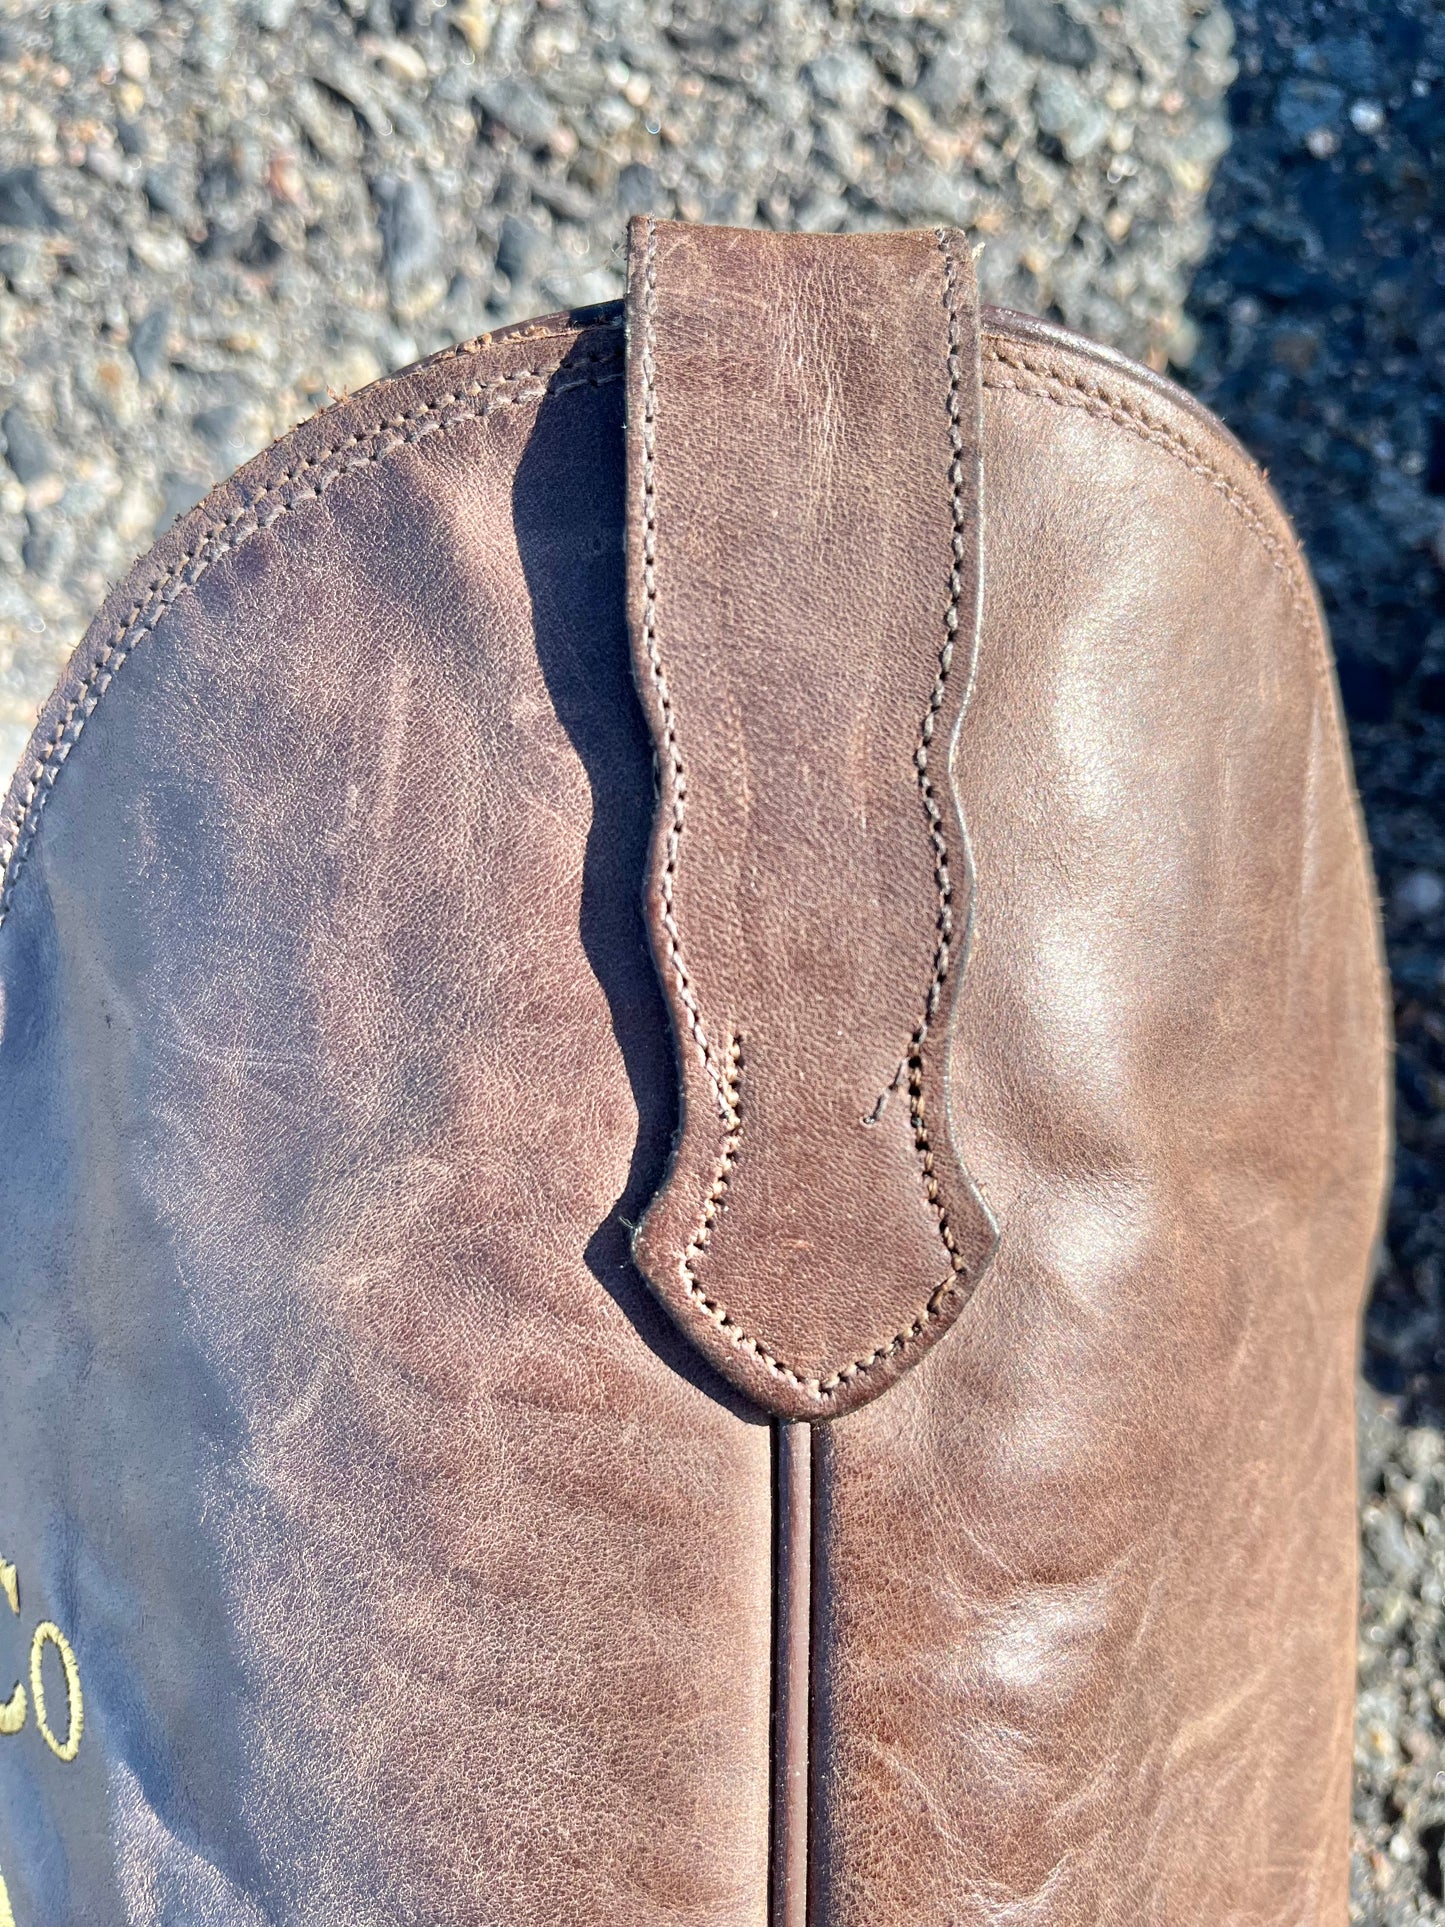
(817, 1392)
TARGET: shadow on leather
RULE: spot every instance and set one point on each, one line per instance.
(568, 512)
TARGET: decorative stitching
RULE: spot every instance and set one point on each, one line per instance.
(942, 876)
(676, 774)
(1041, 380)
(728, 1085)
(819, 1389)
(713, 1204)
(1068, 392)
(1076, 391)
(1072, 391)
(473, 402)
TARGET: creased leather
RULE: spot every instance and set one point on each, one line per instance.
(415, 1568)
(415, 1565)
(803, 537)
(1085, 1606)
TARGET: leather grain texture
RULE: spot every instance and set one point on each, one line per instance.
(804, 528)
(414, 1564)
(414, 1568)
(1085, 1587)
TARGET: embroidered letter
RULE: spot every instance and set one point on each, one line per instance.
(49, 1632)
(12, 1713)
(14, 1710)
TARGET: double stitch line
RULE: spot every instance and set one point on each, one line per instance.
(362, 449)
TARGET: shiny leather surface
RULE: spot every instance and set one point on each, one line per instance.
(1085, 1633)
(413, 1568)
(416, 1568)
(803, 541)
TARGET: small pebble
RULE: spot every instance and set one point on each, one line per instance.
(149, 342)
(521, 249)
(28, 452)
(519, 107)
(948, 81)
(844, 77)
(23, 201)
(410, 233)
(1307, 107)
(1043, 28)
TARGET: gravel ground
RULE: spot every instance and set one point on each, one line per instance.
(1321, 317)
(212, 217)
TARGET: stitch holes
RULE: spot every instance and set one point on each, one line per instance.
(724, 1083)
(821, 1390)
(522, 387)
(713, 1206)
(942, 874)
(824, 1391)
(716, 1198)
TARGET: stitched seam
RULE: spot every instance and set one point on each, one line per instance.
(1076, 391)
(1045, 384)
(943, 950)
(478, 344)
(823, 1389)
(676, 774)
(729, 1090)
(712, 1206)
(472, 402)
(397, 423)
(1067, 391)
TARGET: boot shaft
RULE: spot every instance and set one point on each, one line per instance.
(419, 1557)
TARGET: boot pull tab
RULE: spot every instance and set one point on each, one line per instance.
(803, 588)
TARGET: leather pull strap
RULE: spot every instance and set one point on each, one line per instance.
(803, 536)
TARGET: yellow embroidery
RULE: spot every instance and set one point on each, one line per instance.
(12, 1713)
(12, 1718)
(49, 1632)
